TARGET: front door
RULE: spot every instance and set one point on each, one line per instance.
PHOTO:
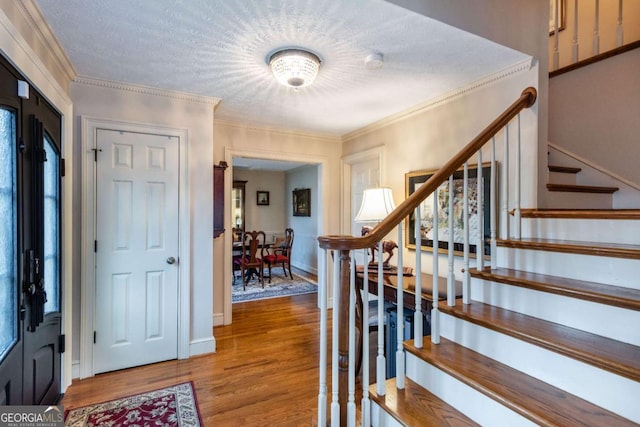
(30, 240)
(136, 249)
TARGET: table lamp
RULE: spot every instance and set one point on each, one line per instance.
(377, 204)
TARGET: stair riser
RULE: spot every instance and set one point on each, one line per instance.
(569, 200)
(562, 178)
(464, 398)
(610, 391)
(591, 230)
(605, 320)
(606, 270)
(380, 418)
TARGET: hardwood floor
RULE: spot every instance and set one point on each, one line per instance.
(264, 373)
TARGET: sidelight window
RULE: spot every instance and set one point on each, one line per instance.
(8, 240)
(51, 176)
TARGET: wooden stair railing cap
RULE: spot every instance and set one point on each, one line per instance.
(527, 99)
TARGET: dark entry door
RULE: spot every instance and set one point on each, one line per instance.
(30, 242)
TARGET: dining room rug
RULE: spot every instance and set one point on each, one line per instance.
(280, 286)
(175, 405)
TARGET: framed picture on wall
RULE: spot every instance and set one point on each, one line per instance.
(413, 181)
(302, 202)
(262, 198)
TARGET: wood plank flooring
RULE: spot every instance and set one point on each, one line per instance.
(264, 373)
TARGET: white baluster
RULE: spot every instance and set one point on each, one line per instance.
(417, 316)
(435, 316)
(596, 29)
(466, 284)
(451, 293)
(619, 30)
(574, 45)
(400, 351)
(366, 403)
(516, 216)
(322, 300)
(381, 362)
(481, 213)
(556, 34)
(492, 205)
(505, 183)
(335, 356)
(351, 390)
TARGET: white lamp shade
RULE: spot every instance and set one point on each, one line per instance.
(377, 204)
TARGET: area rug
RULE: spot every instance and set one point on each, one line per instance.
(279, 287)
(171, 406)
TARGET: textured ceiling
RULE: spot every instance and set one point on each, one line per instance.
(218, 48)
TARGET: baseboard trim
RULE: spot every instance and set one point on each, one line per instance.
(202, 346)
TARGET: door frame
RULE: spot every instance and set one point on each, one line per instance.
(347, 163)
(88, 136)
(322, 162)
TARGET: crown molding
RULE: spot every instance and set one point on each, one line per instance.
(147, 90)
(277, 131)
(524, 65)
(40, 27)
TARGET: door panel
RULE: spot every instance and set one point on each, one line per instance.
(137, 232)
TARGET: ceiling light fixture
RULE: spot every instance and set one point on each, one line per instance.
(294, 67)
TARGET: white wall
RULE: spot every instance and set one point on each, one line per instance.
(594, 113)
(518, 24)
(305, 250)
(271, 219)
(135, 105)
(426, 140)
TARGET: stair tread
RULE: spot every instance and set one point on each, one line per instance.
(618, 250)
(563, 169)
(536, 400)
(617, 296)
(414, 406)
(605, 353)
(581, 213)
(582, 188)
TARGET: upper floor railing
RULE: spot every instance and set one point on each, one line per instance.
(350, 317)
(582, 29)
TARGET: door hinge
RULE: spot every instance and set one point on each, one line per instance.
(95, 246)
(95, 153)
(23, 312)
(61, 345)
(21, 145)
(94, 337)
(62, 170)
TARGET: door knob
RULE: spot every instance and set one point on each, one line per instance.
(171, 260)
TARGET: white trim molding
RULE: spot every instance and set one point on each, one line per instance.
(147, 90)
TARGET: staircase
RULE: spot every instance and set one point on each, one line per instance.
(568, 189)
(550, 337)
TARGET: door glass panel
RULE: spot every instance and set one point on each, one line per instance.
(8, 240)
(51, 227)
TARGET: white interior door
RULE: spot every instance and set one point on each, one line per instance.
(136, 309)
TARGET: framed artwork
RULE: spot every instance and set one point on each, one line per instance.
(558, 6)
(413, 181)
(262, 198)
(302, 202)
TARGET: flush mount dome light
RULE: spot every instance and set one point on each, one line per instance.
(294, 67)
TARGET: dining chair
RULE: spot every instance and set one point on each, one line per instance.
(252, 260)
(281, 254)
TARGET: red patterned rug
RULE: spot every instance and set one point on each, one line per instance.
(171, 406)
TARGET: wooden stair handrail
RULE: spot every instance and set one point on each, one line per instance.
(526, 100)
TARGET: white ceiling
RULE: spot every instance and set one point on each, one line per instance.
(218, 48)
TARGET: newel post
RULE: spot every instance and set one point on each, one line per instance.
(343, 338)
